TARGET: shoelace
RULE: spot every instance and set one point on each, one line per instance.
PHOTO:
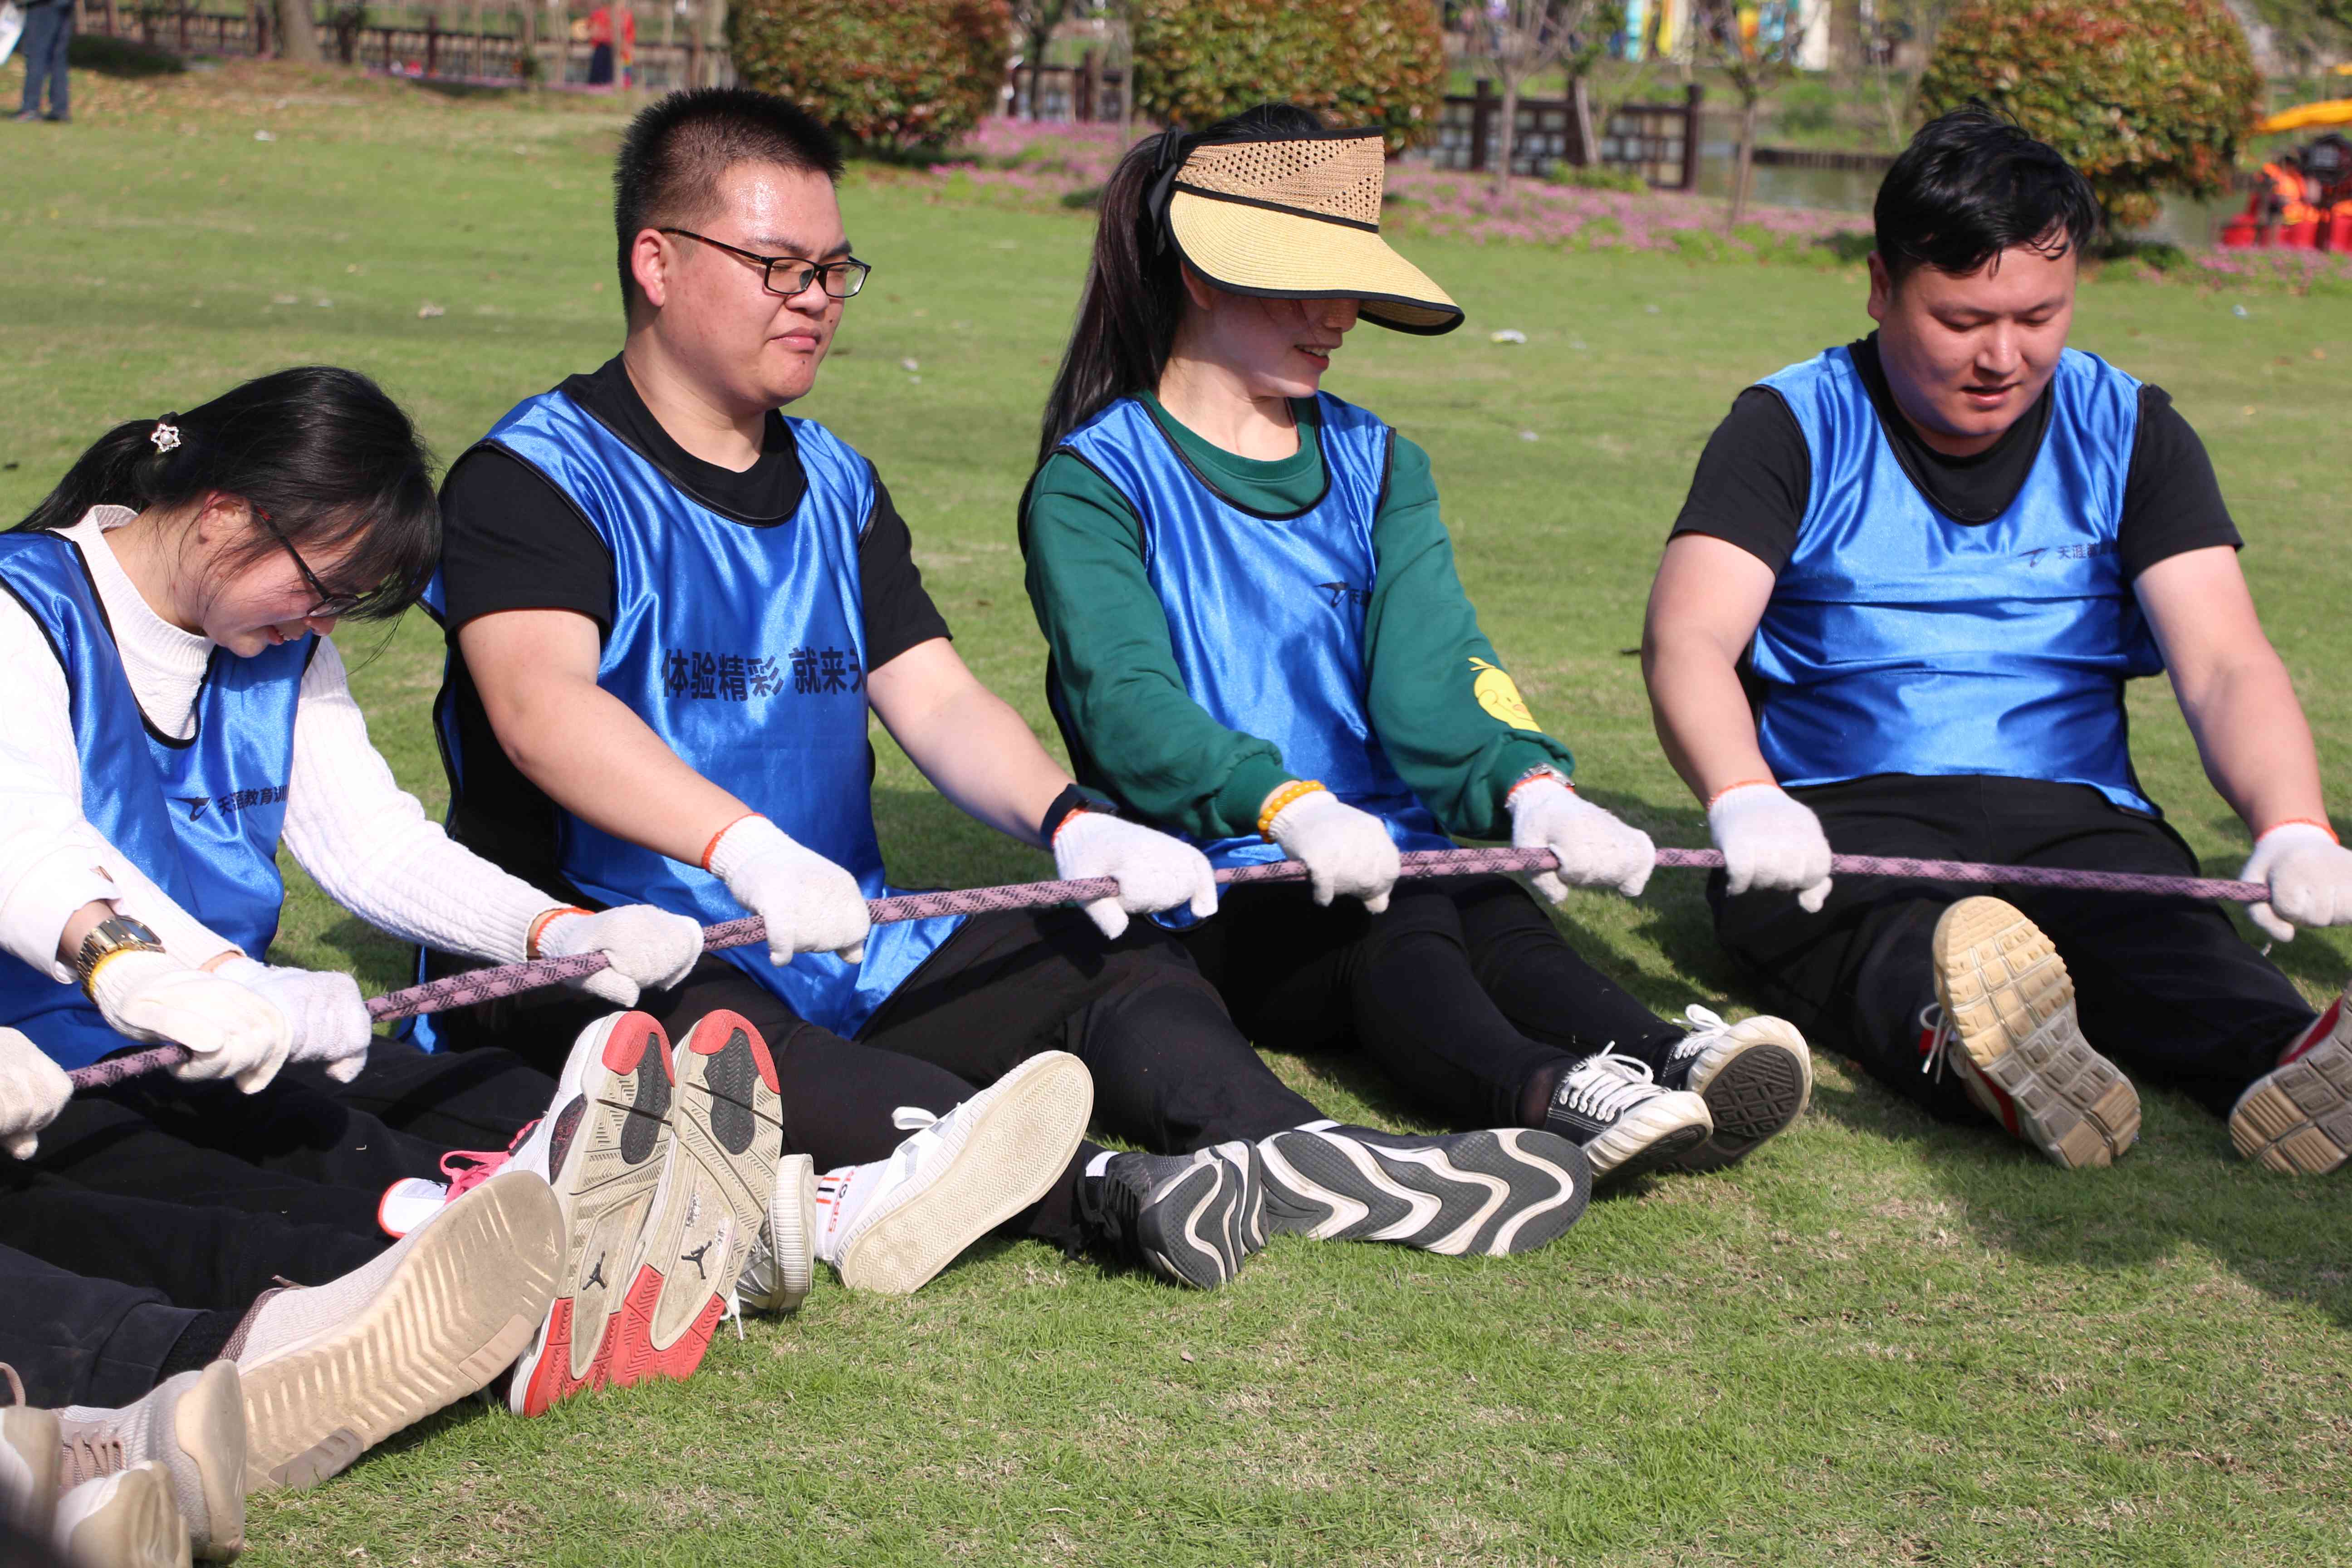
(1705, 1026)
(466, 1169)
(1938, 1032)
(86, 1459)
(1608, 1084)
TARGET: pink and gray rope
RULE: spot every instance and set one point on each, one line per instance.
(477, 986)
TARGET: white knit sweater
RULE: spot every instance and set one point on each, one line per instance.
(362, 838)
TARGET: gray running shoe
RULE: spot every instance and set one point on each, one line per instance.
(1484, 1193)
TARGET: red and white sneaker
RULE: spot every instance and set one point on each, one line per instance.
(603, 1146)
(2297, 1118)
(2007, 1004)
(726, 1142)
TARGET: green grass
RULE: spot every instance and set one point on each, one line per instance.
(1879, 1341)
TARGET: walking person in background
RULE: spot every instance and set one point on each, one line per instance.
(48, 33)
(1258, 641)
(1895, 618)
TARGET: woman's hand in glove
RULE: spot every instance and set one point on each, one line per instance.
(1345, 850)
(1153, 870)
(327, 1017)
(33, 1089)
(2309, 876)
(811, 905)
(650, 949)
(230, 1031)
(1594, 847)
(1770, 840)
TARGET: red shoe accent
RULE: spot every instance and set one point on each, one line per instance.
(2316, 1033)
(629, 1354)
(551, 1381)
(710, 1036)
(631, 1037)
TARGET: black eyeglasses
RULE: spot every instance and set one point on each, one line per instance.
(331, 606)
(841, 278)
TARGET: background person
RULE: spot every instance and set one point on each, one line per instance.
(49, 35)
(1936, 555)
(1257, 640)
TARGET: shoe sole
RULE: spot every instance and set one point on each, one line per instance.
(33, 1435)
(610, 1170)
(456, 1312)
(2297, 1119)
(2011, 1005)
(791, 1237)
(1755, 1090)
(727, 1138)
(1012, 1153)
(1657, 1133)
(138, 1527)
(1196, 1227)
(1484, 1193)
(208, 1423)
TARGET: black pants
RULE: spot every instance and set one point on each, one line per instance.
(77, 1341)
(1170, 1072)
(2166, 987)
(1462, 990)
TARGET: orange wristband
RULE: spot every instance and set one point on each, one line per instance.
(2328, 829)
(1737, 783)
(1296, 790)
(1531, 775)
(712, 847)
(530, 941)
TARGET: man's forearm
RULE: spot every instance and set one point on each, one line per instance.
(1701, 714)
(2256, 745)
(597, 759)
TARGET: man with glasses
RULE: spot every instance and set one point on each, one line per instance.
(669, 611)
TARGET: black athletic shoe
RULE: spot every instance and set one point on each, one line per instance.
(1463, 1192)
(1613, 1107)
(1756, 1077)
(1192, 1219)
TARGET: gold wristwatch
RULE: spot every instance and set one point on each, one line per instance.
(116, 933)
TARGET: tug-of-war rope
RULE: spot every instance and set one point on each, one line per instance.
(488, 984)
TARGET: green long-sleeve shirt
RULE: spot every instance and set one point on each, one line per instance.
(1446, 714)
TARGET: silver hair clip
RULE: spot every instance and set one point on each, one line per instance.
(166, 436)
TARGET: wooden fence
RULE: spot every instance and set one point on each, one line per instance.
(1658, 141)
(1082, 92)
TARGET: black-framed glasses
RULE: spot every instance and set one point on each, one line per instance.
(331, 605)
(841, 278)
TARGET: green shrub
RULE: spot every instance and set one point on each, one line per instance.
(119, 56)
(886, 75)
(1598, 177)
(1358, 62)
(2143, 96)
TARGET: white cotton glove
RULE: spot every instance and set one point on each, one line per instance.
(2309, 876)
(1770, 840)
(1155, 872)
(1595, 848)
(232, 1032)
(33, 1089)
(1344, 850)
(324, 1009)
(811, 905)
(650, 949)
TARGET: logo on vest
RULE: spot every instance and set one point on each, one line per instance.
(2068, 551)
(1498, 694)
(701, 676)
(1341, 594)
(230, 802)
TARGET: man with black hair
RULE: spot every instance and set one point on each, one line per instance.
(1896, 615)
(670, 611)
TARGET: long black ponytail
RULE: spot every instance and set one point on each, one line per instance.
(331, 460)
(1134, 294)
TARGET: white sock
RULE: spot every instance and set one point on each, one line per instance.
(1099, 1163)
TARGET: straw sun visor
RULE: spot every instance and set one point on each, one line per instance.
(1299, 219)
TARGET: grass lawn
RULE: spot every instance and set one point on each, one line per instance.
(1879, 1341)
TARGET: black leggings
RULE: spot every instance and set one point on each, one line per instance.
(1462, 990)
(1170, 1072)
(2166, 987)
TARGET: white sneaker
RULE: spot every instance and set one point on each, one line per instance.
(1755, 1075)
(332, 1370)
(126, 1520)
(782, 1265)
(2297, 1118)
(29, 1461)
(193, 1427)
(1613, 1107)
(890, 1226)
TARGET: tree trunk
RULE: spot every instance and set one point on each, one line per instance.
(298, 33)
(1746, 158)
(1510, 126)
(1588, 145)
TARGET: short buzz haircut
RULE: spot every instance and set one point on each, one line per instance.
(1972, 184)
(675, 150)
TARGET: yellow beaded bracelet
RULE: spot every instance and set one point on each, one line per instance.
(1297, 789)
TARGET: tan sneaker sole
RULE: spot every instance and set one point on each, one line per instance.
(461, 1306)
(1012, 1152)
(209, 1425)
(2010, 1004)
(2298, 1119)
(32, 1435)
(138, 1527)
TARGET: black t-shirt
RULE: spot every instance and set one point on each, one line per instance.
(511, 541)
(1755, 477)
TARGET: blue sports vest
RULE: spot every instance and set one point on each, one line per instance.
(1266, 614)
(744, 649)
(1900, 641)
(201, 817)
